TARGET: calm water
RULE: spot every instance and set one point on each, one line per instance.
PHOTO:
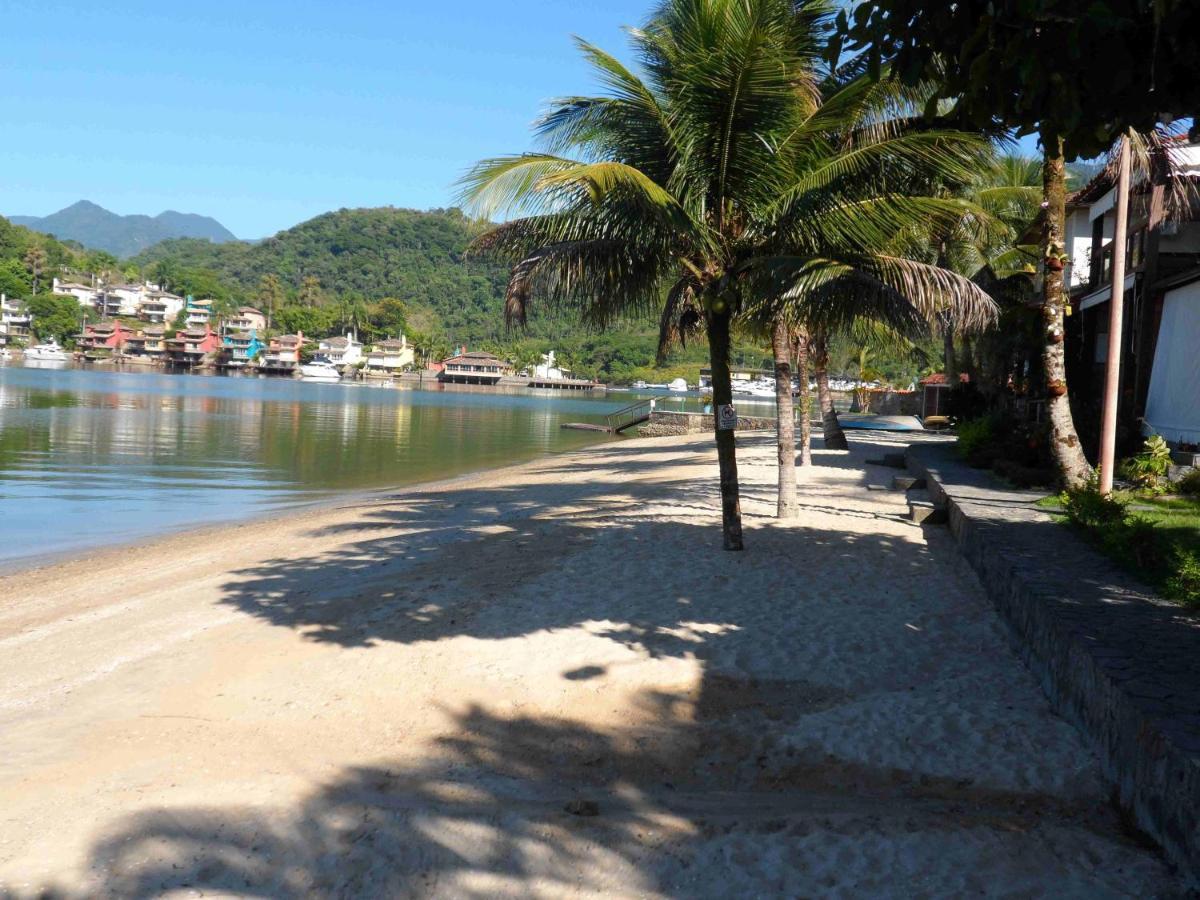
(91, 457)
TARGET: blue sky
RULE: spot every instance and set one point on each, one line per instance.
(263, 113)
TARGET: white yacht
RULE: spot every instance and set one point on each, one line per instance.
(47, 352)
(320, 368)
(679, 385)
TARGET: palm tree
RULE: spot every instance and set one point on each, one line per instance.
(690, 182)
(35, 261)
(310, 293)
(270, 296)
(861, 172)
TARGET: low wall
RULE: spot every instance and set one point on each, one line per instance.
(663, 423)
(1114, 659)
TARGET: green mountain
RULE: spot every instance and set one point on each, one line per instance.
(97, 228)
(369, 254)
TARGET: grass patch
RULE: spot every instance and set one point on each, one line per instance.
(1157, 538)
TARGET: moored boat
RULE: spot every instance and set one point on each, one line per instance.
(320, 368)
(49, 351)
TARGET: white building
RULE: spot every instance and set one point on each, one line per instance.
(120, 299)
(1160, 368)
(341, 351)
(247, 318)
(159, 306)
(86, 295)
(15, 322)
(549, 370)
(199, 313)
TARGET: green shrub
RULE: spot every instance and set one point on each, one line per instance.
(976, 435)
(1189, 484)
(1089, 508)
(1149, 467)
(1184, 581)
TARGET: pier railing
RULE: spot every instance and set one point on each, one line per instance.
(633, 414)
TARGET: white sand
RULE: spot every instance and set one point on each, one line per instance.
(404, 698)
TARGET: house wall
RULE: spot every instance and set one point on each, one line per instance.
(1173, 403)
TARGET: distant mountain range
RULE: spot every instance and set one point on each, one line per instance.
(98, 229)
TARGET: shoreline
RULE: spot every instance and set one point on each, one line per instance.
(300, 511)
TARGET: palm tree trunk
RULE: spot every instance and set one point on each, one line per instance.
(785, 425)
(731, 507)
(805, 398)
(835, 438)
(1072, 465)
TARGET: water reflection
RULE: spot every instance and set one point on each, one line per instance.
(92, 457)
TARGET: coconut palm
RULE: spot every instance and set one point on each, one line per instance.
(682, 181)
(35, 262)
(863, 173)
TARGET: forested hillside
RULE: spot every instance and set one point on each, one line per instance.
(368, 254)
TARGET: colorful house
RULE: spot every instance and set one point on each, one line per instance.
(283, 354)
(146, 344)
(240, 349)
(390, 356)
(104, 337)
(190, 347)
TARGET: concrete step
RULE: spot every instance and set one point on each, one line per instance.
(907, 482)
(923, 510)
(890, 460)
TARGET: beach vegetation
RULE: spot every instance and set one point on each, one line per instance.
(1156, 538)
(1032, 66)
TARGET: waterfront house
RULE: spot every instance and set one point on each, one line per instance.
(247, 318)
(549, 369)
(199, 313)
(240, 349)
(190, 347)
(120, 300)
(85, 295)
(341, 351)
(283, 354)
(1160, 366)
(103, 338)
(474, 367)
(146, 344)
(159, 307)
(15, 322)
(390, 356)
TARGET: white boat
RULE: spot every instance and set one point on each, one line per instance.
(320, 368)
(763, 387)
(47, 352)
(679, 385)
(639, 385)
(5, 354)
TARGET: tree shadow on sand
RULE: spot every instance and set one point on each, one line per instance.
(721, 789)
(691, 800)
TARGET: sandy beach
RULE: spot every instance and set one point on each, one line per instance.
(546, 680)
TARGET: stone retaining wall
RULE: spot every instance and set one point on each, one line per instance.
(1120, 663)
(664, 423)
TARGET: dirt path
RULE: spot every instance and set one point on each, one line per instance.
(544, 681)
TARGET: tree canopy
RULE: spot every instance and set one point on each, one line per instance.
(1082, 71)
